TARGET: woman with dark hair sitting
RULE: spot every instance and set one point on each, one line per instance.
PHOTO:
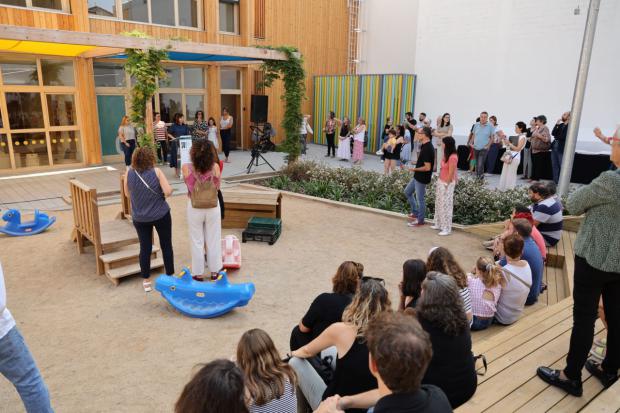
(269, 381)
(442, 260)
(441, 314)
(444, 187)
(327, 308)
(414, 272)
(352, 374)
(218, 387)
(148, 188)
(202, 178)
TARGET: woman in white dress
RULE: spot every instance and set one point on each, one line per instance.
(212, 132)
(344, 140)
(512, 157)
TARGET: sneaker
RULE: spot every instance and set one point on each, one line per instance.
(434, 227)
(444, 233)
(487, 244)
(598, 353)
(552, 377)
(379, 152)
(600, 342)
(606, 379)
(412, 216)
(415, 223)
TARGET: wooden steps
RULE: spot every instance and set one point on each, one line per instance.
(117, 233)
(117, 273)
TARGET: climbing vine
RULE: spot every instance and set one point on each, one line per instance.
(146, 70)
(292, 73)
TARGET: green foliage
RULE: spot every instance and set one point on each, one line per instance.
(292, 73)
(146, 69)
(474, 203)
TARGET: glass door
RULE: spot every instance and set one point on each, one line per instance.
(111, 109)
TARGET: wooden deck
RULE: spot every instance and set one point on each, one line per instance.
(541, 337)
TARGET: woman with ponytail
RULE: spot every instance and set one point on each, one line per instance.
(486, 286)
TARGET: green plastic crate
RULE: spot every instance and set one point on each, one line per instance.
(265, 223)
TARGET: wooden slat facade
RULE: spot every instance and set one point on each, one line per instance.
(318, 28)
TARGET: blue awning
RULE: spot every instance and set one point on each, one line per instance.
(198, 57)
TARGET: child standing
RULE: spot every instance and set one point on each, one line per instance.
(485, 286)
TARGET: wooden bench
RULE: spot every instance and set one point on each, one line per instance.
(115, 242)
(243, 204)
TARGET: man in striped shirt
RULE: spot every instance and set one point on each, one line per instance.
(547, 213)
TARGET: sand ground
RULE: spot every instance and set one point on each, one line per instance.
(102, 348)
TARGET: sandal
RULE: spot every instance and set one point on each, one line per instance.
(598, 354)
(600, 342)
(147, 286)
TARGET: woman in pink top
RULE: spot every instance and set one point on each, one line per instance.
(521, 211)
(444, 187)
(204, 224)
(485, 286)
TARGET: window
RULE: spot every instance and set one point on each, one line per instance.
(194, 78)
(19, 72)
(229, 16)
(57, 72)
(185, 13)
(230, 78)
(61, 109)
(173, 80)
(193, 103)
(259, 78)
(259, 19)
(169, 104)
(66, 147)
(24, 110)
(5, 156)
(109, 74)
(62, 5)
(30, 149)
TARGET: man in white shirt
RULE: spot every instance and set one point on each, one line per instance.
(17, 364)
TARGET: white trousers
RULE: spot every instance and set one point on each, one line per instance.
(205, 225)
(444, 202)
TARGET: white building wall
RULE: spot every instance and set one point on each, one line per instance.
(387, 41)
(512, 58)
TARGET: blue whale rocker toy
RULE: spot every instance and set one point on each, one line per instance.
(15, 227)
(203, 299)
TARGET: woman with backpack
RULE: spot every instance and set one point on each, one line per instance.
(202, 178)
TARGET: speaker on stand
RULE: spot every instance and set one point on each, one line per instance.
(259, 109)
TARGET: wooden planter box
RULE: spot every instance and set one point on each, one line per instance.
(242, 204)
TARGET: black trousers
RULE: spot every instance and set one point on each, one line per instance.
(541, 166)
(589, 285)
(331, 143)
(145, 235)
(128, 151)
(225, 134)
(162, 151)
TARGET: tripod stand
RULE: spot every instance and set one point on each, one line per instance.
(254, 162)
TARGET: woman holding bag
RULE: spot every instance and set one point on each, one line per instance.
(512, 158)
(204, 221)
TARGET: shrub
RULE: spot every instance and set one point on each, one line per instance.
(474, 203)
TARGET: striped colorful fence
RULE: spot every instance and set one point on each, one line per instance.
(372, 97)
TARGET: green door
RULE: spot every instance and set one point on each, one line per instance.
(111, 109)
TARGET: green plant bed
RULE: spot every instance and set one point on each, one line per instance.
(473, 202)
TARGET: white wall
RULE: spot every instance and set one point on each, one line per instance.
(387, 41)
(512, 58)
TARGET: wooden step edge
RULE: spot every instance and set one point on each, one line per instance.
(128, 252)
(131, 269)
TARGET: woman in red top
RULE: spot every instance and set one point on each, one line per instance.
(444, 187)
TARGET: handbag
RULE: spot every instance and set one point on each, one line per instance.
(508, 157)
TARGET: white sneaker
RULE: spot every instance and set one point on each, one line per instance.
(379, 152)
(444, 233)
(412, 223)
(435, 227)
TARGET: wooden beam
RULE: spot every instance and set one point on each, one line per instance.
(102, 52)
(126, 42)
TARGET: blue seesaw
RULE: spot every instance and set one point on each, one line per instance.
(16, 228)
(206, 299)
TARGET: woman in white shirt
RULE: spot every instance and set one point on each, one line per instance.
(304, 130)
(512, 157)
(127, 137)
(226, 124)
(359, 134)
(518, 282)
(212, 133)
(17, 364)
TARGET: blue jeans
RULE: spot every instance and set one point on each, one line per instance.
(128, 151)
(481, 323)
(556, 162)
(18, 366)
(418, 206)
(481, 158)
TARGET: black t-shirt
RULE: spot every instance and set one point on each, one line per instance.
(427, 154)
(411, 130)
(324, 311)
(428, 399)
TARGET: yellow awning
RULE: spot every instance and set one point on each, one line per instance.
(55, 49)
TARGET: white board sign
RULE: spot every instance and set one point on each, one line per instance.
(185, 144)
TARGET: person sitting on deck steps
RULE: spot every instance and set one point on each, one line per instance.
(485, 285)
(518, 282)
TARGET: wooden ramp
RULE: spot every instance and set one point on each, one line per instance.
(540, 338)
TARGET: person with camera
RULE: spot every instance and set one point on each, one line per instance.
(557, 147)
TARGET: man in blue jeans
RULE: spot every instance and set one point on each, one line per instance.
(17, 364)
(483, 133)
(423, 172)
